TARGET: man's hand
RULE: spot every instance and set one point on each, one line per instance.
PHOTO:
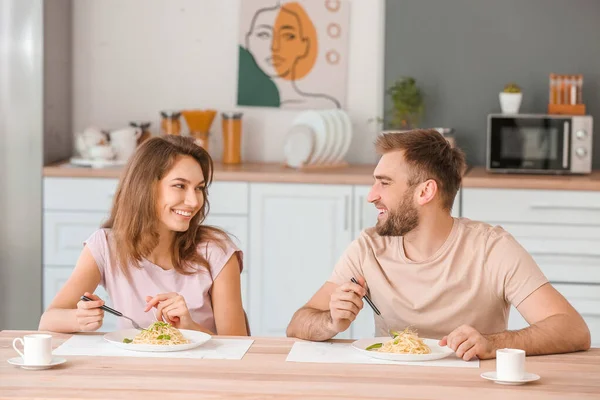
(467, 343)
(345, 304)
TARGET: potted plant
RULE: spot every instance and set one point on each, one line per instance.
(407, 104)
(510, 99)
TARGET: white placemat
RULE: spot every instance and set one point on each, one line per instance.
(95, 345)
(316, 352)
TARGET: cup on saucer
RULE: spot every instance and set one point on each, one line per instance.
(510, 368)
(37, 352)
(101, 152)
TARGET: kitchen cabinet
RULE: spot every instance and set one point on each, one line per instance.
(297, 234)
(293, 234)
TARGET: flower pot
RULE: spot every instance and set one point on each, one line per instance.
(510, 102)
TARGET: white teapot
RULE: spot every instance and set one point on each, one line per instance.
(124, 142)
(90, 137)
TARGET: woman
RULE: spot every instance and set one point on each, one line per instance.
(154, 252)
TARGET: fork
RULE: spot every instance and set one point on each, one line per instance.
(375, 309)
(115, 312)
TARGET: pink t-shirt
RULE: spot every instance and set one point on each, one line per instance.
(128, 296)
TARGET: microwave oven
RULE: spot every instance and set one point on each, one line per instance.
(539, 144)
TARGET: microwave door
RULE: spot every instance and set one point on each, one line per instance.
(530, 145)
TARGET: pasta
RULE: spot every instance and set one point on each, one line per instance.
(158, 333)
(405, 342)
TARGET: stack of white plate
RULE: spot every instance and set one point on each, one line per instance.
(318, 138)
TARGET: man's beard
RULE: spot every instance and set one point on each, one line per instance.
(401, 220)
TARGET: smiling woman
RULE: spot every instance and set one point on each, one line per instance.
(155, 252)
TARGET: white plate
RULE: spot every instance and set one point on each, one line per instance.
(338, 135)
(317, 123)
(96, 163)
(347, 133)
(493, 377)
(299, 145)
(328, 155)
(18, 361)
(437, 352)
(196, 338)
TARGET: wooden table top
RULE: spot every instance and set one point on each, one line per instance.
(263, 373)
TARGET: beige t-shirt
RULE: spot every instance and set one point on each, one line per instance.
(472, 279)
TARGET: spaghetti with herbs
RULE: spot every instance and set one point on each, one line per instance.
(160, 333)
(405, 342)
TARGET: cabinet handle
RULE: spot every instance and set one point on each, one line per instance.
(565, 207)
(566, 131)
(346, 213)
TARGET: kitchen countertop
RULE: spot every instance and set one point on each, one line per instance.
(246, 172)
(476, 177)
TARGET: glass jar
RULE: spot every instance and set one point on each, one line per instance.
(232, 137)
(170, 124)
(144, 127)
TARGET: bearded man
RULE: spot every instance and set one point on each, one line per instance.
(451, 279)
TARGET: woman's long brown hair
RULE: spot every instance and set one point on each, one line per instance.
(134, 218)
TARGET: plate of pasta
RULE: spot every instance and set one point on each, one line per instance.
(160, 336)
(404, 346)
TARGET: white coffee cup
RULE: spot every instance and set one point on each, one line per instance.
(510, 364)
(37, 349)
(101, 152)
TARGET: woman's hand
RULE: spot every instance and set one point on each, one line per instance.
(89, 314)
(171, 308)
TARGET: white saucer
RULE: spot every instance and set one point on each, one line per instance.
(96, 163)
(18, 361)
(491, 375)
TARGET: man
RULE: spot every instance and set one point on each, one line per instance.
(449, 278)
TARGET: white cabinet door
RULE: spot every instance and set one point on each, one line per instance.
(297, 234)
(65, 232)
(79, 194)
(55, 276)
(365, 216)
(365, 213)
(531, 206)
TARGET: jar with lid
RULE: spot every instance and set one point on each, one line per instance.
(232, 137)
(144, 127)
(170, 124)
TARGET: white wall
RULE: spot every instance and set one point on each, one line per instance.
(133, 58)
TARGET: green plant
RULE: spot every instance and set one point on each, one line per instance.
(512, 88)
(407, 104)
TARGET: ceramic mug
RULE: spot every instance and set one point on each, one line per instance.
(37, 349)
(510, 364)
(124, 142)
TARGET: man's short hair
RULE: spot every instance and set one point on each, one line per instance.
(429, 156)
